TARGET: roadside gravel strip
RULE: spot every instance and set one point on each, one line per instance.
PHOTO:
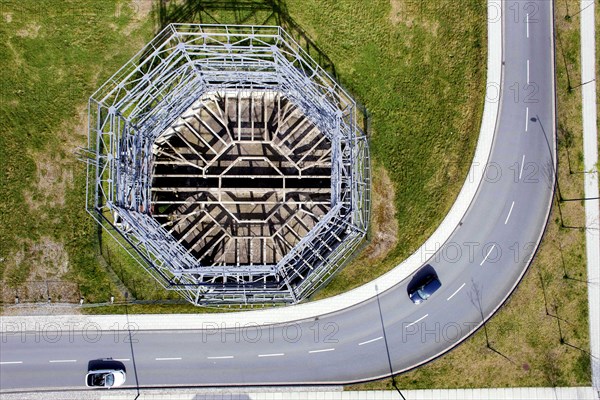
(336, 303)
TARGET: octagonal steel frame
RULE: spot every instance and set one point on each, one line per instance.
(154, 88)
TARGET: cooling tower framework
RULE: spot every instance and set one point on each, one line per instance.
(229, 165)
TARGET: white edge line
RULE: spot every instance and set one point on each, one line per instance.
(322, 351)
(219, 357)
(167, 358)
(10, 362)
(63, 361)
(528, 71)
(420, 319)
(526, 118)
(371, 341)
(522, 166)
(527, 23)
(488, 254)
(272, 355)
(509, 212)
(457, 290)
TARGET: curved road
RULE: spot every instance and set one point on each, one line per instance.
(479, 267)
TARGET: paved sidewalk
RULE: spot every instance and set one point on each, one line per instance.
(576, 393)
(590, 156)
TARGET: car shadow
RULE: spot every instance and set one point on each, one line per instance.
(106, 363)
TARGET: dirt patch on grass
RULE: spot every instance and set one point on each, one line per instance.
(52, 259)
(74, 133)
(31, 31)
(405, 11)
(40, 309)
(45, 258)
(56, 164)
(7, 17)
(399, 14)
(53, 178)
(141, 10)
(37, 271)
(17, 57)
(384, 222)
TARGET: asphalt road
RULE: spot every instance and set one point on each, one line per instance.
(478, 267)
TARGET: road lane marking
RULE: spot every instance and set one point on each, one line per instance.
(122, 359)
(509, 212)
(63, 361)
(528, 71)
(322, 351)
(219, 357)
(522, 165)
(10, 362)
(272, 355)
(527, 23)
(457, 290)
(371, 341)
(526, 118)
(420, 319)
(167, 358)
(488, 254)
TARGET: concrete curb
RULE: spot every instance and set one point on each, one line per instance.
(342, 301)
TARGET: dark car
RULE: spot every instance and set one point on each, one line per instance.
(424, 288)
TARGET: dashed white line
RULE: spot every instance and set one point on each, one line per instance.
(488, 254)
(371, 341)
(322, 350)
(10, 362)
(522, 166)
(167, 358)
(527, 23)
(63, 361)
(509, 212)
(272, 355)
(420, 319)
(121, 359)
(457, 290)
(526, 118)
(219, 357)
(528, 71)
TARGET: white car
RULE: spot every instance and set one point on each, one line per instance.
(105, 378)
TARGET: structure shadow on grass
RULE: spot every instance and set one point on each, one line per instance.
(241, 12)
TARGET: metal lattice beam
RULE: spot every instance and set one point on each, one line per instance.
(229, 164)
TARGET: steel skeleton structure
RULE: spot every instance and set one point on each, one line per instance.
(229, 164)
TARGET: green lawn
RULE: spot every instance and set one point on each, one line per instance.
(54, 54)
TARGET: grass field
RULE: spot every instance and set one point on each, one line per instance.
(54, 55)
